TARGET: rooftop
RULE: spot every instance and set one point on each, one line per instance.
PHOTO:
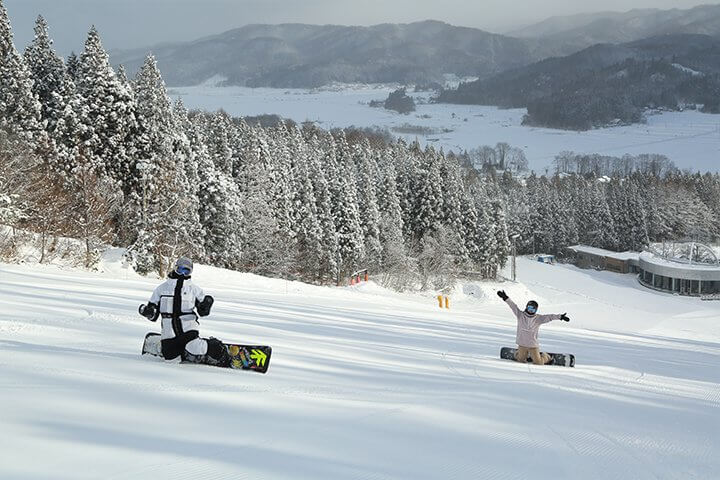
(656, 259)
(605, 253)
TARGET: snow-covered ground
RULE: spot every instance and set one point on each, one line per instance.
(691, 139)
(363, 383)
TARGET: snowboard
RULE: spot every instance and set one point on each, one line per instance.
(242, 357)
(562, 359)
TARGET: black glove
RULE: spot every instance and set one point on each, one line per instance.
(502, 294)
(203, 308)
(564, 318)
(149, 311)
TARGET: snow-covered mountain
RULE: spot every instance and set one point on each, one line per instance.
(572, 33)
(606, 82)
(297, 55)
(364, 383)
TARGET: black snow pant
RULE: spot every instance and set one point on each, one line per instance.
(174, 347)
(217, 354)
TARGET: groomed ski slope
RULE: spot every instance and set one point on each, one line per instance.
(363, 384)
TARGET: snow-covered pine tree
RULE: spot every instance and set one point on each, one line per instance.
(542, 217)
(92, 201)
(367, 171)
(594, 221)
(428, 198)
(219, 142)
(16, 168)
(122, 76)
(343, 185)
(481, 230)
(397, 268)
(330, 248)
(188, 145)
(564, 230)
(19, 107)
(221, 210)
(309, 237)
(628, 215)
(501, 242)
(166, 210)
(265, 249)
(50, 82)
(451, 208)
(281, 182)
(72, 67)
(109, 122)
(406, 165)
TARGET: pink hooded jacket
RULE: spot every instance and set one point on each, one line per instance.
(528, 325)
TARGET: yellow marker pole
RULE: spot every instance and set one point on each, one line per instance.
(440, 301)
(447, 302)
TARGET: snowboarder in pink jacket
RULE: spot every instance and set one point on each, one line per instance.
(528, 324)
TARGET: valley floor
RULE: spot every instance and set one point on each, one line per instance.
(690, 139)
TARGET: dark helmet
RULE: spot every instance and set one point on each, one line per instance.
(184, 266)
(531, 307)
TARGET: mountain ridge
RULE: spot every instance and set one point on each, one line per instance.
(606, 83)
(302, 55)
(575, 32)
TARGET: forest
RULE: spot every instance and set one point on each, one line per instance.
(89, 154)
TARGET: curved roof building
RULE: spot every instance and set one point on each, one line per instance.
(688, 268)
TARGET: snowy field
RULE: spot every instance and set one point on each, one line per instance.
(690, 139)
(363, 383)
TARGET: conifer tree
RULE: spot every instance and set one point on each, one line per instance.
(396, 265)
(219, 142)
(19, 107)
(428, 205)
(109, 123)
(501, 242)
(167, 215)
(51, 85)
(309, 236)
(481, 230)
(330, 246)
(366, 166)
(221, 210)
(345, 205)
(451, 208)
(281, 181)
(72, 67)
(407, 175)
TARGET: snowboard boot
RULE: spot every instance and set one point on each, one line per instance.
(217, 353)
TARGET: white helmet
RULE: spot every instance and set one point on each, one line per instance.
(184, 266)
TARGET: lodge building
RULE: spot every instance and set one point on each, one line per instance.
(688, 268)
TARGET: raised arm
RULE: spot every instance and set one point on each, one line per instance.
(511, 304)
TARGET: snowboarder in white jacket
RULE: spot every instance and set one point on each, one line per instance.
(178, 301)
(528, 324)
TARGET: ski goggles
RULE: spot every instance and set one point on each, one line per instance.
(184, 270)
(531, 308)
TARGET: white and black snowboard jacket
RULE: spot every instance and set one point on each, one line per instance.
(176, 298)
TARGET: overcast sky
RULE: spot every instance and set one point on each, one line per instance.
(138, 23)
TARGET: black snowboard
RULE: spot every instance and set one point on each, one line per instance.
(562, 359)
(243, 357)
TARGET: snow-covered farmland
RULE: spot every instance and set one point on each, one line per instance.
(363, 384)
(691, 139)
